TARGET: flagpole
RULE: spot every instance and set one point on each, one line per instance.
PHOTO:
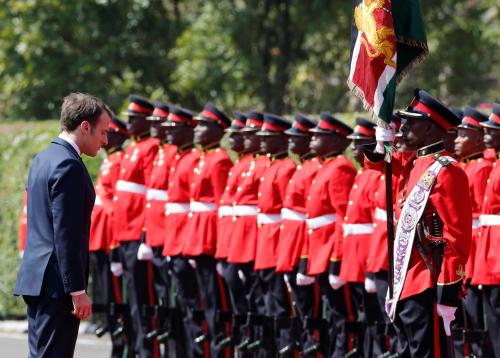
(390, 218)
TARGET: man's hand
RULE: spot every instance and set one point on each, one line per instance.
(82, 307)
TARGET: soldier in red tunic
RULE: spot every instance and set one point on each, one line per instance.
(325, 209)
(271, 197)
(244, 237)
(487, 269)
(434, 229)
(469, 147)
(129, 215)
(293, 233)
(105, 272)
(200, 238)
(180, 127)
(358, 227)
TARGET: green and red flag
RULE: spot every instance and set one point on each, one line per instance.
(388, 39)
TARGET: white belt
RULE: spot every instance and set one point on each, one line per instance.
(98, 201)
(320, 221)
(225, 211)
(177, 208)
(489, 220)
(200, 207)
(156, 194)
(130, 187)
(289, 214)
(357, 229)
(263, 219)
(476, 223)
(245, 210)
(380, 214)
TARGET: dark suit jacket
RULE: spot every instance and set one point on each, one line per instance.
(60, 201)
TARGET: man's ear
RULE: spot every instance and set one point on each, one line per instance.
(85, 127)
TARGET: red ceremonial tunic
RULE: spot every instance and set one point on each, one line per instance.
(156, 195)
(130, 193)
(226, 221)
(207, 186)
(177, 206)
(101, 225)
(451, 200)
(328, 197)
(293, 234)
(23, 223)
(271, 197)
(487, 258)
(358, 226)
(243, 243)
(478, 172)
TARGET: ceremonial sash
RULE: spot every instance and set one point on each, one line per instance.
(405, 233)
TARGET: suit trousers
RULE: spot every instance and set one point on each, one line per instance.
(52, 328)
(140, 293)
(492, 310)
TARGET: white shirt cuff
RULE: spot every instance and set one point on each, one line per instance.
(76, 293)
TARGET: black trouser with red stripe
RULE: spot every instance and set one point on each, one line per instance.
(138, 276)
(277, 310)
(417, 321)
(187, 294)
(309, 309)
(171, 321)
(214, 299)
(339, 309)
(106, 289)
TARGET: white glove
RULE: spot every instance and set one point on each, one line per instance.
(335, 281)
(370, 285)
(144, 253)
(242, 276)
(21, 254)
(169, 258)
(192, 262)
(116, 268)
(304, 280)
(383, 135)
(219, 268)
(447, 313)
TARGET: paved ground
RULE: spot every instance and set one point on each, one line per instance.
(87, 346)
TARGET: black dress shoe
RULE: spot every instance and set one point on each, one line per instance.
(200, 339)
(310, 350)
(163, 336)
(101, 331)
(286, 350)
(243, 345)
(117, 332)
(151, 335)
(224, 343)
(253, 346)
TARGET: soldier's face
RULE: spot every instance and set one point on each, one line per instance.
(299, 144)
(251, 142)
(235, 142)
(357, 149)
(115, 140)
(468, 141)
(413, 132)
(492, 138)
(207, 133)
(179, 135)
(323, 143)
(157, 130)
(137, 125)
(273, 143)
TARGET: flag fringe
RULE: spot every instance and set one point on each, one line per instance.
(358, 92)
(414, 43)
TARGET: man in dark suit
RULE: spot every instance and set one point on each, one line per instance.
(54, 271)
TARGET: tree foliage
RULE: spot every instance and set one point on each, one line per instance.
(275, 55)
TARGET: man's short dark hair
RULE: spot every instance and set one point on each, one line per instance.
(79, 107)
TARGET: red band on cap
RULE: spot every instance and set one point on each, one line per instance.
(176, 118)
(138, 108)
(439, 119)
(253, 123)
(471, 121)
(365, 131)
(213, 116)
(495, 118)
(160, 112)
(118, 129)
(300, 126)
(273, 127)
(326, 125)
(238, 123)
